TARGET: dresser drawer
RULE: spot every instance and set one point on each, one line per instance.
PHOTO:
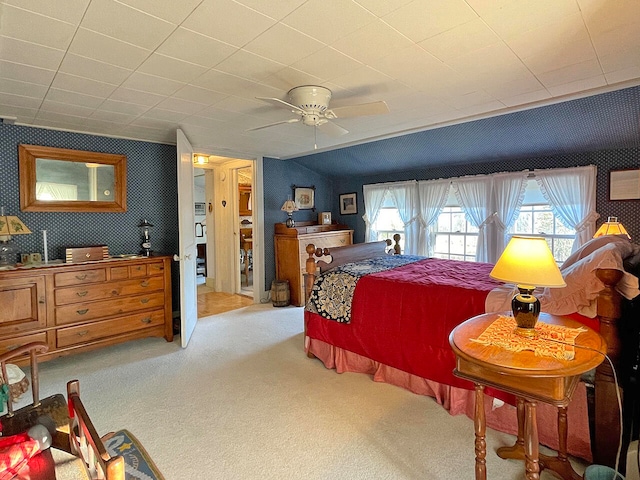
(82, 334)
(119, 273)
(87, 293)
(13, 343)
(80, 277)
(137, 271)
(82, 312)
(341, 239)
(338, 239)
(22, 304)
(156, 268)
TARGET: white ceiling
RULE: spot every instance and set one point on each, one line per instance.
(142, 68)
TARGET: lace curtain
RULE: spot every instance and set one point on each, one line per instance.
(571, 192)
(373, 197)
(433, 197)
(405, 196)
(474, 197)
(56, 191)
(508, 194)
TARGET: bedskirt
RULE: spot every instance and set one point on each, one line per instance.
(500, 416)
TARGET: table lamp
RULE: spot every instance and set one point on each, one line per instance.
(529, 263)
(146, 241)
(289, 206)
(611, 227)
(9, 225)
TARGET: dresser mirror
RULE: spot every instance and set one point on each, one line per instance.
(64, 180)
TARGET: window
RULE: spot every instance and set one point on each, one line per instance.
(537, 219)
(389, 222)
(455, 237)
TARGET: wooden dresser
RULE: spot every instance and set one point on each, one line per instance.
(79, 307)
(291, 255)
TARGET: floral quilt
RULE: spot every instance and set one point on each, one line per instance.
(332, 293)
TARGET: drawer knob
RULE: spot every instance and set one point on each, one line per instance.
(81, 294)
(81, 277)
(82, 312)
(41, 301)
(83, 333)
(144, 283)
(144, 300)
(146, 320)
(115, 292)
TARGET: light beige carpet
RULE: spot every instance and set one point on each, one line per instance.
(244, 402)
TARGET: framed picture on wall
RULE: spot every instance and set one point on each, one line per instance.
(305, 197)
(348, 204)
(199, 208)
(624, 184)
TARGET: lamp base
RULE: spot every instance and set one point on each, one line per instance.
(526, 310)
(8, 253)
(290, 223)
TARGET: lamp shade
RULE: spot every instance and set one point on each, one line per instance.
(528, 261)
(289, 206)
(12, 225)
(611, 227)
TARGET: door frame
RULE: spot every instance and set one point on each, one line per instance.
(223, 239)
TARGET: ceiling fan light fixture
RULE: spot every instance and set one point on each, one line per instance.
(311, 103)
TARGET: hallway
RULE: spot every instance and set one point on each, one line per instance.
(212, 303)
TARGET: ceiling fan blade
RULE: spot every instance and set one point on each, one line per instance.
(332, 129)
(373, 108)
(291, 120)
(282, 103)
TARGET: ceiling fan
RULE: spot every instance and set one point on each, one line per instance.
(311, 104)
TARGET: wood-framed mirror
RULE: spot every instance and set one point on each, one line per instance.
(64, 180)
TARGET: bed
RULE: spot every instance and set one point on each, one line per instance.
(390, 317)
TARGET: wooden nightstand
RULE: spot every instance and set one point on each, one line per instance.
(531, 379)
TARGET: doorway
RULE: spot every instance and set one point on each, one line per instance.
(245, 225)
(226, 231)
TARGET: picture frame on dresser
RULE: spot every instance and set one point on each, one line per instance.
(305, 197)
(348, 203)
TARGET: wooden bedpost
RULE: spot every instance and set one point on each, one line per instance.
(607, 414)
(396, 246)
(310, 268)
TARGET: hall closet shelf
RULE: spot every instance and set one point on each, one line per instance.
(80, 307)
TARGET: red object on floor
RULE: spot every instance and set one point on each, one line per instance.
(16, 456)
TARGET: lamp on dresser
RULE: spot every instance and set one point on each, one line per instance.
(612, 227)
(289, 206)
(529, 263)
(9, 225)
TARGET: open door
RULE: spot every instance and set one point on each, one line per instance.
(187, 240)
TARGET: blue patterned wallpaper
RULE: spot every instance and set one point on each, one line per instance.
(151, 194)
(628, 211)
(607, 121)
(279, 175)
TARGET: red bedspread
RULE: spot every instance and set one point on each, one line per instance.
(403, 317)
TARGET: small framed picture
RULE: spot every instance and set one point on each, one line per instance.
(324, 218)
(348, 204)
(199, 208)
(305, 197)
(624, 184)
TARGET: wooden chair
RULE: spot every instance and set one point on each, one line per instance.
(86, 443)
(99, 453)
(17, 421)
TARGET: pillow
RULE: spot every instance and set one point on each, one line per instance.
(582, 284)
(591, 246)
